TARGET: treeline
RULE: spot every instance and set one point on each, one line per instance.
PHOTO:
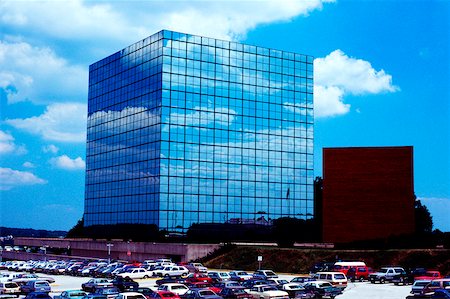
(29, 232)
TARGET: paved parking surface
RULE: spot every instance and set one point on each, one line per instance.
(357, 290)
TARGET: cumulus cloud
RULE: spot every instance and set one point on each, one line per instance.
(38, 75)
(28, 165)
(50, 149)
(10, 178)
(337, 75)
(64, 162)
(64, 122)
(120, 21)
(7, 145)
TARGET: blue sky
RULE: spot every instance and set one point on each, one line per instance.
(382, 74)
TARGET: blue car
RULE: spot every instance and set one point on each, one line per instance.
(71, 294)
(38, 295)
(441, 294)
(41, 286)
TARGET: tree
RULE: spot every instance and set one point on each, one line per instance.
(77, 231)
(423, 219)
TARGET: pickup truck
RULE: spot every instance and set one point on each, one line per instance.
(429, 275)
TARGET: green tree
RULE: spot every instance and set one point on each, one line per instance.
(423, 219)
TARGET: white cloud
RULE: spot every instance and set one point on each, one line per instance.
(328, 101)
(28, 165)
(8, 146)
(121, 20)
(64, 162)
(65, 122)
(50, 149)
(337, 75)
(38, 75)
(10, 178)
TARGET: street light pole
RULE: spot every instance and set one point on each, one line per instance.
(109, 245)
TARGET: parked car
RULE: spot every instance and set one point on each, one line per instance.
(130, 295)
(248, 284)
(109, 292)
(302, 279)
(240, 275)
(170, 280)
(137, 273)
(203, 285)
(322, 289)
(196, 267)
(418, 286)
(404, 278)
(337, 279)
(385, 274)
(35, 286)
(345, 266)
(201, 294)
(164, 295)
(229, 285)
(198, 277)
(429, 275)
(359, 273)
(38, 295)
(147, 292)
(95, 296)
(264, 274)
(71, 294)
(434, 285)
(441, 294)
(171, 271)
(177, 288)
(234, 293)
(26, 277)
(95, 283)
(219, 276)
(267, 292)
(124, 283)
(9, 288)
(295, 290)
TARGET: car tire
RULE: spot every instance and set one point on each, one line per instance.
(361, 279)
(145, 277)
(382, 280)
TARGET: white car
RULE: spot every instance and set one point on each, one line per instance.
(130, 295)
(177, 288)
(9, 288)
(171, 271)
(136, 273)
(199, 267)
(267, 292)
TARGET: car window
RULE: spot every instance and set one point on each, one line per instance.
(339, 276)
(446, 284)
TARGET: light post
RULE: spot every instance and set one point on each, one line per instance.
(109, 245)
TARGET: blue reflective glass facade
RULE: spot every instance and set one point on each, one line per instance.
(185, 129)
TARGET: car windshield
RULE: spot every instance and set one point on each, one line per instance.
(11, 285)
(384, 270)
(270, 273)
(233, 284)
(206, 293)
(421, 283)
(296, 287)
(41, 284)
(168, 295)
(268, 288)
(223, 274)
(135, 297)
(242, 273)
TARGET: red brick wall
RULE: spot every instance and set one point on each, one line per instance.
(368, 193)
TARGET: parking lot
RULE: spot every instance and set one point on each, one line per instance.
(357, 290)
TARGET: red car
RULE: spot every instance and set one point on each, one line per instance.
(198, 277)
(203, 285)
(165, 295)
(429, 275)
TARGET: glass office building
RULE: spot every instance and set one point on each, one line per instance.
(186, 129)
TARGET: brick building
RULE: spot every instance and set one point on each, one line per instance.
(368, 193)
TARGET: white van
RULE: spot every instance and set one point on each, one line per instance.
(337, 279)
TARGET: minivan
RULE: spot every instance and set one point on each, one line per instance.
(337, 279)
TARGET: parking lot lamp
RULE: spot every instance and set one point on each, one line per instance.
(109, 245)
